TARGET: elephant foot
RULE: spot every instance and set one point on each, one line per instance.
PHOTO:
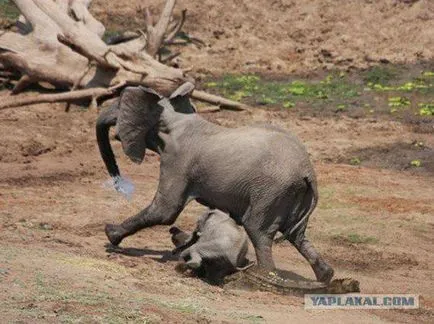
(114, 233)
(323, 272)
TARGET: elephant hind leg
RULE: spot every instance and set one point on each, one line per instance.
(323, 272)
(261, 234)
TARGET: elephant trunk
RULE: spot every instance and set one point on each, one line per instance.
(106, 120)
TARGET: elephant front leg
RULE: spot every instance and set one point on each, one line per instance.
(117, 232)
(162, 211)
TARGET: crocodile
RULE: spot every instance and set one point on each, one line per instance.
(276, 282)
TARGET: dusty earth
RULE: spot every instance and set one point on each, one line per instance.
(292, 36)
(374, 224)
(374, 221)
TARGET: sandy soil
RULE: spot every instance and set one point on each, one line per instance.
(54, 265)
(374, 221)
(293, 36)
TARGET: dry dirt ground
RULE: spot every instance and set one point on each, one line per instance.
(292, 36)
(374, 221)
(372, 224)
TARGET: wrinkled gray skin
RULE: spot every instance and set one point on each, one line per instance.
(216, 248)
(261, 176)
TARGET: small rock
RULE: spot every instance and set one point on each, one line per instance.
(46, 226)
(4, 272)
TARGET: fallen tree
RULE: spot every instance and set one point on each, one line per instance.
(59, 42)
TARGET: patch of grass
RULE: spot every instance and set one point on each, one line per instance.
(395, 103)
(329, 199)
(8, 10)
(426, 109)
(327, 192)
(355, 161)
(384, 90)
(254, 318)
(94, 265)
(398, 101)
(247, 317)
(379, 75)
(75, 318)
(354, 238)
(288, 104)
(421, 84)
(187, 306)
(416, 163)
(109, 33)
(428, 74)
(128, 316)
(418, 84)
(341, 107)
(254, 89)
(49, 291)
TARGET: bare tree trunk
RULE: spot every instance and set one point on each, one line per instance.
(60, 48)
(59, 42)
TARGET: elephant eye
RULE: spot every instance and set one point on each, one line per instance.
(187, 257)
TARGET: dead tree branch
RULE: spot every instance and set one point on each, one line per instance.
(58, 50)
(156, 33)
(24, 100)
(223, 103)
(59, 42)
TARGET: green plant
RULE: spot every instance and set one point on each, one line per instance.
(8, 10)
(428, 74)
(398, 102)
(355, 238)
(359, 239)
(297, 88)
(409, 86)
(416, 163)
(283, 93)
(288, 104)
(340, 107)
(379, 75)
(426, 109)
(418, 144)
(355, 161)
(264, 100)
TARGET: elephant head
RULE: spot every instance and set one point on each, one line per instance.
(136, 116)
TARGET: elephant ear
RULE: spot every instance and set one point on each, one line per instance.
(139, 112)
(180, 99)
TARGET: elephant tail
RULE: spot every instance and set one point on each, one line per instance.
(309, 201)
(105, 120)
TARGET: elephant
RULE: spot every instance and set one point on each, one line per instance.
(260, 175)
(108, 118)
(216, 248)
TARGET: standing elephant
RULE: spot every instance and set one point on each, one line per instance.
(261, 176)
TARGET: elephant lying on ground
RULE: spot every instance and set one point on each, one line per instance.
(216, 248)
(261, 176)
